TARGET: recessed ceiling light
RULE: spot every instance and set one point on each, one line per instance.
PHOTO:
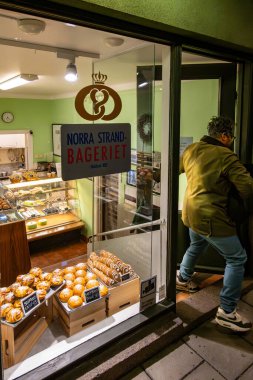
(114, 41)
(18, 81)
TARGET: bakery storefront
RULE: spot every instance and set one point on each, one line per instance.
(84, 170)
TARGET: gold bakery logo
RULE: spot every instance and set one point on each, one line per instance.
(99, 95)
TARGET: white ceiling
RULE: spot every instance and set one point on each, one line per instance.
(119, 62)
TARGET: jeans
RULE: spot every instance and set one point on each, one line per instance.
(234, 254)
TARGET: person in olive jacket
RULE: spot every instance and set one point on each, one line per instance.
(212, 170)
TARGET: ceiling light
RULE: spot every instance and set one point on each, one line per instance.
(31, 26)
(114, 41)
(18, 81)
(71, 72)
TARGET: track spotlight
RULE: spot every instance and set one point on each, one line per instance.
(71, 72)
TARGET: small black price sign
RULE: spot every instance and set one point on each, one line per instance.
(125, 276)
(92, 294)
(30, 302)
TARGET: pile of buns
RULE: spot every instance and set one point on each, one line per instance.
(108, 267)
(35, 280)
(77, 280)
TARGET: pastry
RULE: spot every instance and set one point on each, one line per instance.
(91, 284)
(80, 273)
(31, 225)
(2, 300)
(82, 266)
(14, 286)
(14, 315)
(58, 272)
(65, 294)
(56, 280)
(90, 276)
(78, 290)
(42, 222)
(70, 269)
(43, 285)
(80, 280)
(74, 302)
(69, 276)
(103, 290)
(17, 304)
(19, 278)
(5, 308)
(36, 281)
(28, 279)
(41, 294)
(5, 290)
(9, 297)
(36, 271)
(69, 284)
(30, 291)
(21, 291)
(46, 276)
(107, 280)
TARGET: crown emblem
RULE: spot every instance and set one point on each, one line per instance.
(99, 78)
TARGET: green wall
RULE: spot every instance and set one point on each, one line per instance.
(228, 20)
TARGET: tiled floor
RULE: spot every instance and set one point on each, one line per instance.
(208, 353)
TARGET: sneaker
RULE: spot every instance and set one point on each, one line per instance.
(233, 321)
(186, 285)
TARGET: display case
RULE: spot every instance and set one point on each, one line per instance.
(48, 206)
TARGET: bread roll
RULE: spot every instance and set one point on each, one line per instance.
(36, 271)
(74, 302)
(58, 272)
(80, 273)
(69, 284)
(82, 266)
(5, 308)
(56, 280)
(41, 294)
(17, 304)
(80, 280)
(70, 269)
(78, 290)
(21, 291)
(103, 290)
(14, 286)
(28, 279)
(5, 290)
(69, 276)
(65, 294)
(91, 284)
(43, 285)
(9, 297)
(46, 276)
(14, 315)
(90, 276)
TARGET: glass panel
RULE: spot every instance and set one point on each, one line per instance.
(129, 203)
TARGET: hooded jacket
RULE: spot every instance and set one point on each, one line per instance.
(212, 169)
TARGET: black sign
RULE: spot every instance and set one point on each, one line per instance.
(92, 294)
(30, 302)
(125, 276)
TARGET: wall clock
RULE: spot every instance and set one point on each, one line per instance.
(7, 117)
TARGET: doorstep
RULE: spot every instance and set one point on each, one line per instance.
(134, 349)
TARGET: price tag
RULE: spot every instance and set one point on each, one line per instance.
(30, 302)
(92, 294)
(125, 276)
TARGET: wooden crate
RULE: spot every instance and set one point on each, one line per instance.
(18, 341)
(123, 295)
(81, 318)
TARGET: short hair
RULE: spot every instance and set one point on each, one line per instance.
(219, 125)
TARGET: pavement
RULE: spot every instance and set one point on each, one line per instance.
(182, 345)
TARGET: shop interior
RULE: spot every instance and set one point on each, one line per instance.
(64, 222)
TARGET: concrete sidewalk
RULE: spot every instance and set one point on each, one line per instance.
(182, 345)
